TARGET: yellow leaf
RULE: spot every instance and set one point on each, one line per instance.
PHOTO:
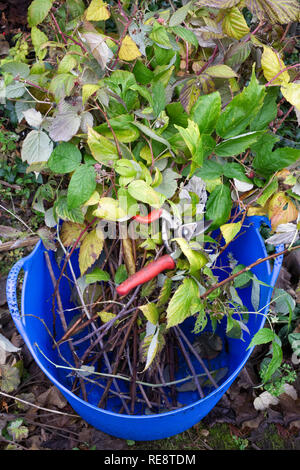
(281, 210)
(69, 233)
(151, 312)
(272, 64)
(256, 211)
(88, 90)
(90, 249)
(94, 199)
(106, 316)
(234, 24)
(129, 50)
(229, 231)
(97, 11)
(109, 209)
(291, 92)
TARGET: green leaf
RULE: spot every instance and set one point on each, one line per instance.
(236, 145)
(268, 192)
(210, 170)
(67, 64)
(185, 34)
(244, 278)
(38, 39)
(196, 259)
(169, 184)
(15, 90)
(239, 112)
(16, 69)
(267, 162)
(81, 186)
(121, 274)
(180, 14)
(160, 36)
(235, 170)
(142, 74)
(268, 112)
(97, 275)
(17, 431)
(179, 307)
(151, 312)
(261, 149)
(38, 10)
(63, 212)
(102, 149)
(61, 85)
(110, 209)
(159, 98)
(192, 139)
(219, 205)
(165, 292)
(237, 54)
(143, 192)
(88, 90)
(37, 147)
(263, 336)
(177, 114)
(206, 111)
(284, 302)
(147, 131)
(255, 293)
(65, 158)
(275, 362)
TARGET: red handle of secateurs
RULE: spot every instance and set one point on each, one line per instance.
(148, 219)
(146, 274)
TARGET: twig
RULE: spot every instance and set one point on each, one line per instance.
(247, 268)
(188, 361)
(16, 217)
(209, 62)
(21, 243)
(285, 69)
(36, 406)
(193, 351)
(63, 321)
(120, 352)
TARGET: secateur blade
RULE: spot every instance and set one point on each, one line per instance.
(193, 229)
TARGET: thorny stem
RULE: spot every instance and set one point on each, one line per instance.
(209, 62)
(282, 71)
(58, 28)
(247, 268)
(111, 129)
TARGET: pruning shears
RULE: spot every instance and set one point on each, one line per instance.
(165, 262)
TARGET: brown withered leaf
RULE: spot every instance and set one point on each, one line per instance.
(69, 233)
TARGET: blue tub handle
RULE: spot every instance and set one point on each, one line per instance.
(11, 294)
(257, 221)
(277, 265)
